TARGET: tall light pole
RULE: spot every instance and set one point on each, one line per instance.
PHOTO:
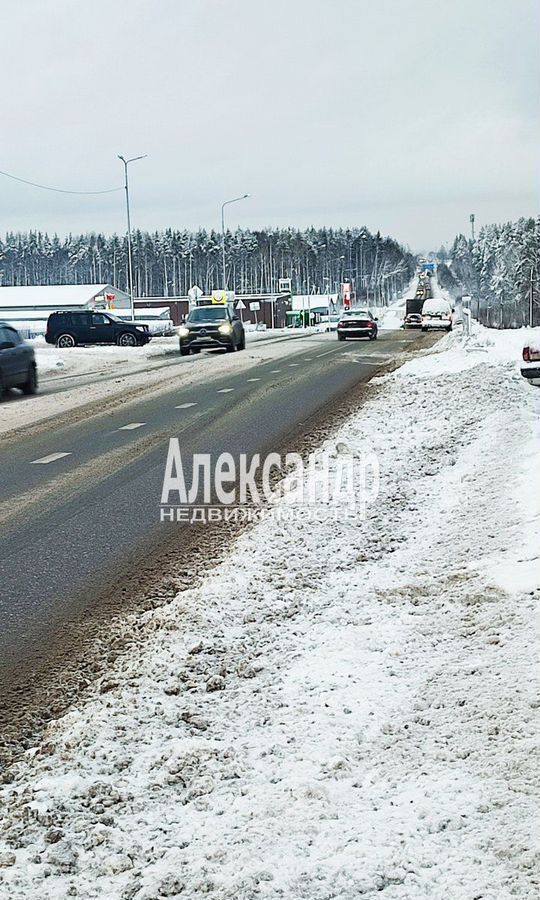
(130, 255)
(223, 205)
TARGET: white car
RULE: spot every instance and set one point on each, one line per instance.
(531, 359)
(437, 313)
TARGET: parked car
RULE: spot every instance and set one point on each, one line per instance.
(208, 327)
(436, 313)
(86, 326)
(17, 362)
(531, 358)
(355, 323)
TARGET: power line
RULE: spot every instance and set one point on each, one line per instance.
(44, 187)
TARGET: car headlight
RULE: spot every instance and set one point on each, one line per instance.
(225, 329)
(183, 331)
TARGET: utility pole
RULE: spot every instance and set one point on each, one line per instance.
(531, 300)
(471, 219)
(130, 253)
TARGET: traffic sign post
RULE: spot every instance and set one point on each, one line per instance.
(241, 305)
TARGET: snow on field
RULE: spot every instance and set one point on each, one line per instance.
(341, 710)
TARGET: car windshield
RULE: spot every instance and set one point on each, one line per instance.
(356, 312)
(207, 314)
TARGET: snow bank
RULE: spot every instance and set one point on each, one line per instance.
(339, 710)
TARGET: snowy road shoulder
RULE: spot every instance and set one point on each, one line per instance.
(339, 710)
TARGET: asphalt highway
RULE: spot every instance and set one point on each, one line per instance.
(80, 503)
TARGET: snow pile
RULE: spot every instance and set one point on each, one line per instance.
(341, 709)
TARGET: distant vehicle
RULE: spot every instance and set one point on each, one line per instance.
(158, 319)
(436, 313)
(333, 321)
(355, 323)
(413, 312)
(86, 326)
(17, 362)
(531, 358)
(209, 327)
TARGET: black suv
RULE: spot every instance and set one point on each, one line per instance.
(17, 361)
(87, 326)
(211, 326)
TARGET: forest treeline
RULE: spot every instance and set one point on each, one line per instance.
(167, 263)
(500, 270)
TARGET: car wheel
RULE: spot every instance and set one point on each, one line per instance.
(449, 328)
(242, 344)
(184, 351)
(424, 329)
(195, 349)
(65, 340)
(126, 339)
(230, 348)
(341, 337)
(30, 385)
(373, 337)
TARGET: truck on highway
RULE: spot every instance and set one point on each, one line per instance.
(413, 312)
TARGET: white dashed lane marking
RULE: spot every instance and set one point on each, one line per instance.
(254, 379)
(52, 457)
(275, 371)
(293, 365)
(185, 405)
(132, 426)
(225, 390)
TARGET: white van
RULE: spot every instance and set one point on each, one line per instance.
(437, 313)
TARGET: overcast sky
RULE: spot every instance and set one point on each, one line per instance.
(404, 115)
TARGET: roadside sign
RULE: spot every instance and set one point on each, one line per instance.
(240, 305)
(255, 306)
(284, 285)
(466, 299)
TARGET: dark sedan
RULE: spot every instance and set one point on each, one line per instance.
(17, 362)
(356, 323)
(210, 327)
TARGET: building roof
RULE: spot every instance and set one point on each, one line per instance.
(52, 295)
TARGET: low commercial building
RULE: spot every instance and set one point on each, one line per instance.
(29, 307)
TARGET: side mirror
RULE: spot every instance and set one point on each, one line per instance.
(376, 318)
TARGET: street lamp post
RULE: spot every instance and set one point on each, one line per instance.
(223, 205)
(130, 254)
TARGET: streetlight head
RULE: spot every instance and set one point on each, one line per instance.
(121, 157)
(246, 195)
